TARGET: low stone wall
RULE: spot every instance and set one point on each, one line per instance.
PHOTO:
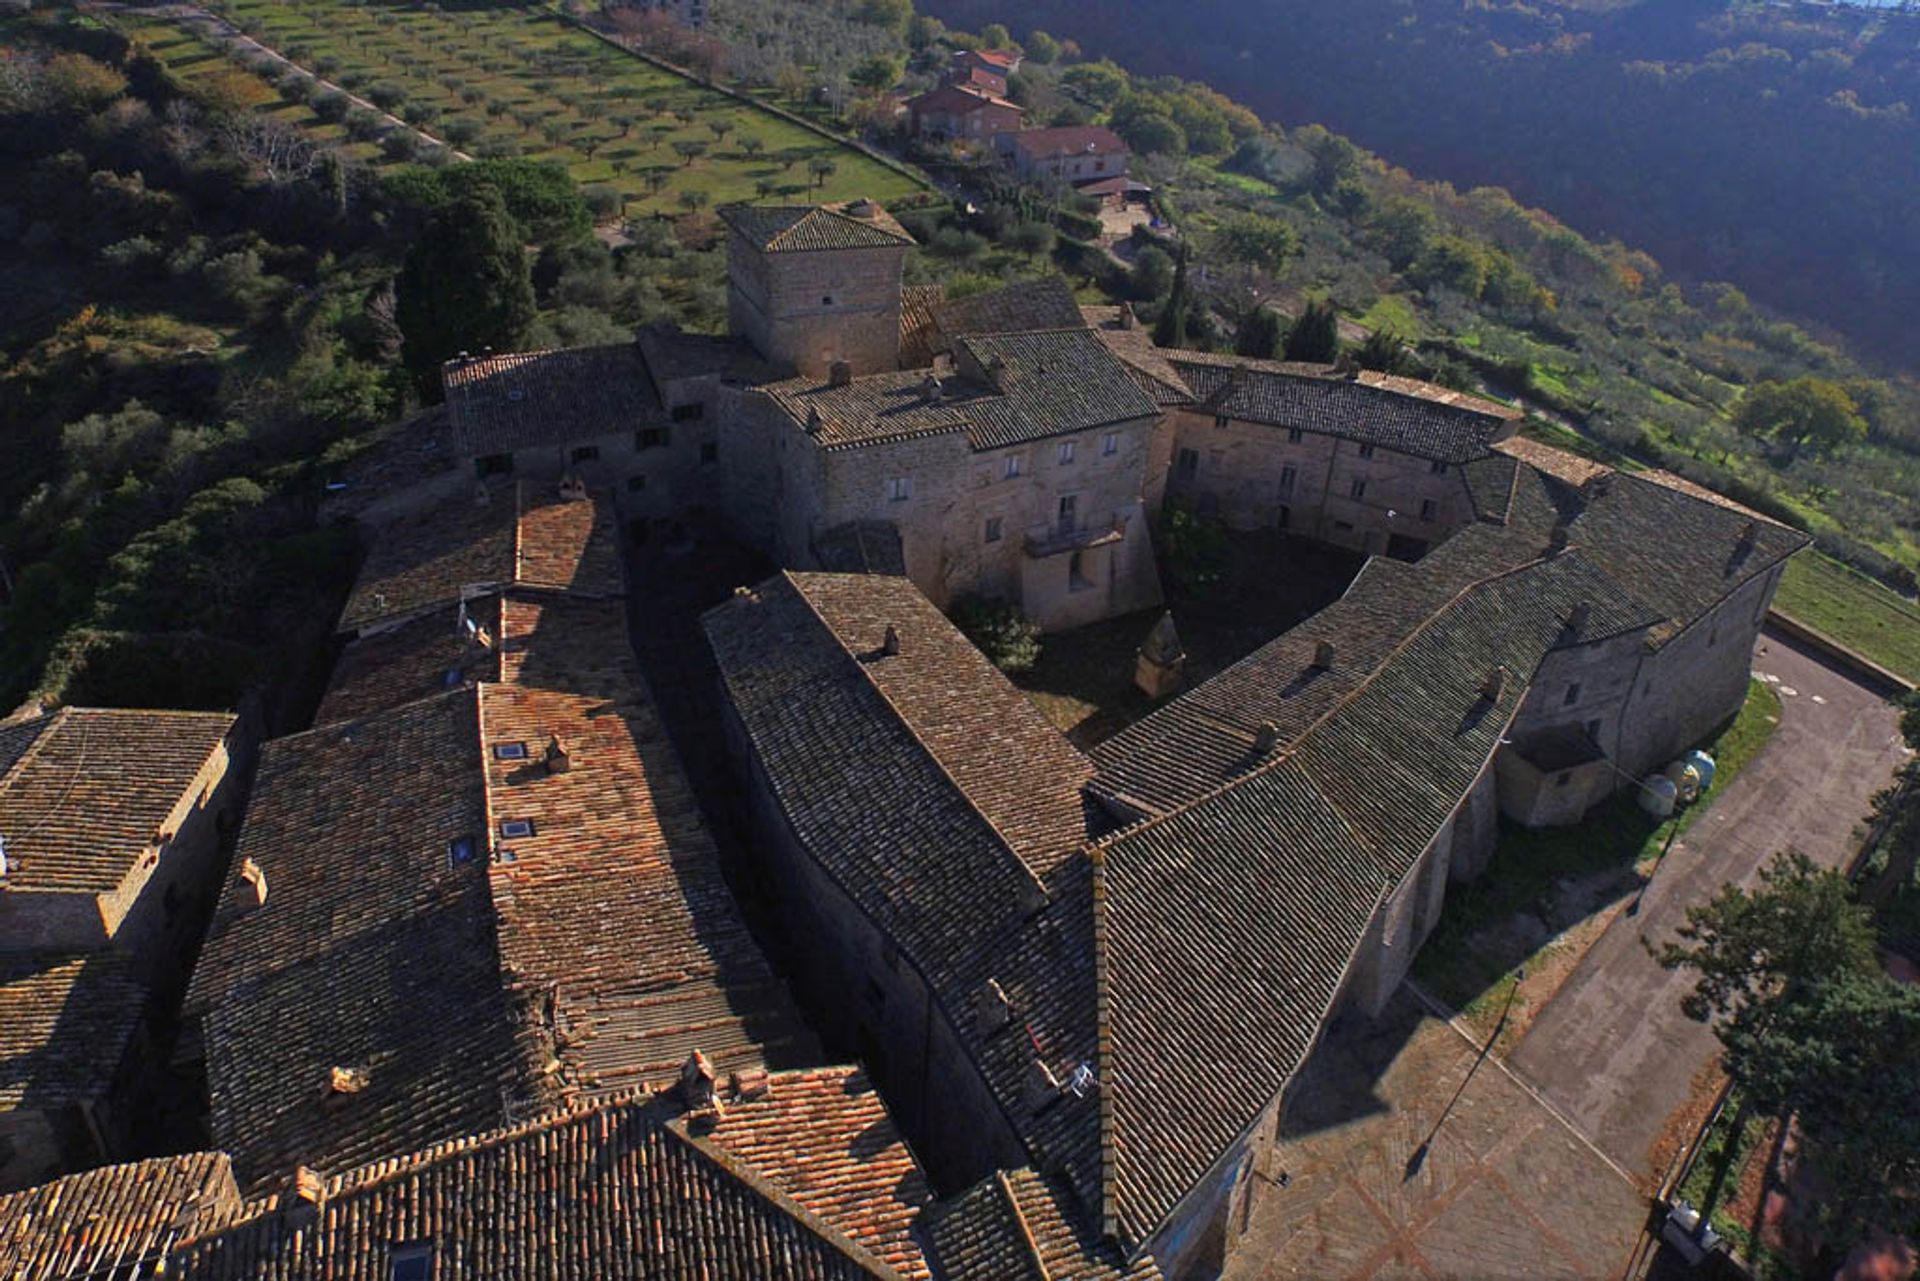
(1851, 661)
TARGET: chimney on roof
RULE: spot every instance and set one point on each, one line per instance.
(814, 423)
(1323, 656)
(1042, 1087)
(572, 488)
(890, 644)
(309, 1187)
(750, 1083)
(1494, 688)
(1578, 616)
(930, 389)
(1266, 738)
(343, 1081)
(253, 886)
(1749, 535)
(558, 760)
(1600, 484)
(839, 374)
(991, 1008)
(863, 209)
(1561, 536)
(696, 1082)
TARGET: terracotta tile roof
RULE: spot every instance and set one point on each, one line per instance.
(567, 644)
(1020, 1225)
(1134, 346)
(824, 1138)
(890, 780)
(374, 951)
(960, 99)
(671, 354)
(426, 655)
(916, 324)
(613, 914)
(524, 535)
(105, 1222)
(853, 224)
(1399, 413)
(522, 400)
(66, 1025)
(861, 547)
(85, 792)
(1021, 307)
(1068, 140)
(1560, 464)
(625, 1190)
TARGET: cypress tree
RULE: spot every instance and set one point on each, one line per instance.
(1260, 334)
(1315, 336)
(466, 286)
(1171, 329)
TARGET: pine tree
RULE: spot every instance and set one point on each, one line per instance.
(1315, 336)
(1260, 334)
(466, 286)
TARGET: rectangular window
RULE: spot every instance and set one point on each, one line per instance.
(650, 438)
(709, 452)
(1110, 443)
(1572, 695)
(689, 412)
(1295, 435)
(899, 489)
(1359, 487)
(1593, 730)
(1013, 466)
(1188, 464)
(410, 1263)
(1438, 469)
(494, 465)
(1366, 451)
(993, 529)
(1066, 452)
(636, 483)
(1429, 510)
(585, 454)
(1068, 504)
(1288, 475)
(1219, 420)
(514, 828)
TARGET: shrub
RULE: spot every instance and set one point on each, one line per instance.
(400, 144)
(1197, 548)
(331, 105)
(604, 201)
(1000, 631)
(386, 95)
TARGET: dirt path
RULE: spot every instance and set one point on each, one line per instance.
(1611, 1050)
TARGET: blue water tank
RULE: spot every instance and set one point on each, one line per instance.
(1703, 763)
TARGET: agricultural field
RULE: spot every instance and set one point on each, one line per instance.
(520, 81)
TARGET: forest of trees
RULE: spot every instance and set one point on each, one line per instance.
(1772, 145)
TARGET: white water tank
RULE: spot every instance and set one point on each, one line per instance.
(1658, 795)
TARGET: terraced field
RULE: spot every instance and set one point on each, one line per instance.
(519, 80)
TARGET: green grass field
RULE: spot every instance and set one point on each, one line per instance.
(539, 87)
(1854, 610)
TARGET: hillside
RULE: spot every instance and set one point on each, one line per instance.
(1774, 146)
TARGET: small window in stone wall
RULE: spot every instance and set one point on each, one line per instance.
(1437, 468)
(1572, 695)
(689, 412)
(651, 438)
(1366, 451)
(1593, 730)
(1359, 487)
(899, 489)
(1219, 420)
(1013, 466)
(994, 528)
(826, 300)
(1066, 452)
(1562, 778)
(1295, 435)
(1110, 443)
(1429, 510)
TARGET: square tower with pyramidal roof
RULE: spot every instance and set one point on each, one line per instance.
(812, 286)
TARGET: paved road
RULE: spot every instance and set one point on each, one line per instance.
(1611, 1050)
(1504, 1188)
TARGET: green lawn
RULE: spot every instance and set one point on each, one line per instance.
(1854, 610)
(1471, 957)
(530, 82)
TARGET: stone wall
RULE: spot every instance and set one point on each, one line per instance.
(1257, 476)
(805, 310)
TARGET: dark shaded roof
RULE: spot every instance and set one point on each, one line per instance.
(1025, 305)
(104, 1222)
(1559, 747)
(854, 224)
(631, 1189)
(1012, 388)
(426, 655)
(523, 400)
(1068, 140)
(917, 332)
(374, 951)
(1147, 363)
(1020, 1225)
(672, 353)
(891, 770)
(66, 1024)
(85, 792)
(523, 534)
(1397, 413)
(861, 547)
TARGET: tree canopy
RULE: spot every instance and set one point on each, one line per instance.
(466, 286)
(1315, 335)
(1800, 413)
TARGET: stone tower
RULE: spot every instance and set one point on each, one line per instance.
(813, 285)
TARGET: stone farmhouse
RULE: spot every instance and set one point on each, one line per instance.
(967, 111)
(1066, 153)
(110, 825)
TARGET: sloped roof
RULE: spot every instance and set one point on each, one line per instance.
(104, 1221)
(426, 655)
(1146, 362)
(1019, 1225)
(523, 535)
(66, 1024)
(85, 792)
(1068, 140)
(861, 547)
(525, 399)
(854, 224)
(1014, 388)
(630, 1190)
(1021, 307)
(1397, 413)
(960, 100)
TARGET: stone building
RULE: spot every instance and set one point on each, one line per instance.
(1066, 153)
(963, 112)
(110, 848)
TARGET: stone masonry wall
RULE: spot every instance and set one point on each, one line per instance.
(806, 310)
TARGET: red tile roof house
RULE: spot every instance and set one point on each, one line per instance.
(959, 112)
(998, 62)
(1071, 153)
